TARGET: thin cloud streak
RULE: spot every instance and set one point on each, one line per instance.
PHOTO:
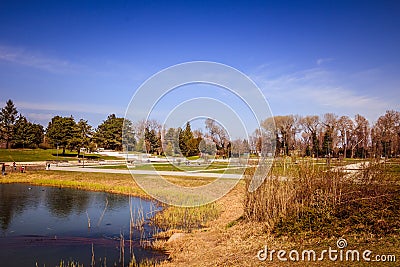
(28, 58)
(317, 89)
(73, 108)
(321, 61)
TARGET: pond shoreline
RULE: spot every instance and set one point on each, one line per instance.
(90, 182)
(121, 184)
(35, 218)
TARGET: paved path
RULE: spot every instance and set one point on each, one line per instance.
(353, 168)
(147, 172)
(219, 169)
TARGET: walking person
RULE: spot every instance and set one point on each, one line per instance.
(3, 169)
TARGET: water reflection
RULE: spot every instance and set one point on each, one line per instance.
(37, 220)
(63, 202)
(11, 202)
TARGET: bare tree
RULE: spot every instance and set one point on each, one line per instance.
(311, 126)
(218, 135)
(345, 127)
(255, 142)
(329, 136)
(285, 128)
(361, 135)
(385, 134)
(145, 126)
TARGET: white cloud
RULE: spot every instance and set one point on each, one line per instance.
(320, 61)
(28, 58)
(318, 91)
(72, 107)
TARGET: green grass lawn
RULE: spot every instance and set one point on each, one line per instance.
(220, 166)
(280, 166)
(18, 155)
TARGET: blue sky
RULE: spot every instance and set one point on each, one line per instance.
(87, 58)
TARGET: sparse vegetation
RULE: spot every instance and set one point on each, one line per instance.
(186, 219)
(328, 202)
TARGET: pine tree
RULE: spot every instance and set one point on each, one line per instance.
(109, 133)
(60, 131)
(27, 134)
(188, 145)
(8, 116)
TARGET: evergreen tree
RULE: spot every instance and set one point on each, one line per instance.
(60, 131)
(152, 141)
(21, 129)
(188, 145)
(81, 137)
(8, 116)
(37, 133)
(109, 133)
(27, 134)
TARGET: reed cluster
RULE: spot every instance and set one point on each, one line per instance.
(326, 200)
(184, 218)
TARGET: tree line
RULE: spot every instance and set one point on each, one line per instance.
(63, 132)
(331, 135)
(312, 135)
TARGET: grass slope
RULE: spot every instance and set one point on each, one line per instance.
(24, 155)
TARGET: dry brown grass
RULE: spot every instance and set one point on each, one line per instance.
(305, 186)
(113, 183)
(189, 181)
(234, 238)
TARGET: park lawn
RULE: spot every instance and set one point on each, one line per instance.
(28, 155)
(169, 167)
(213, 168)
(281, 166)
(183, 167)
(180, 180)
(236, 170)
(106, 182)
(109, 167)
(288, 167)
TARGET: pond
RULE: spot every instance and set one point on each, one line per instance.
(44, 225)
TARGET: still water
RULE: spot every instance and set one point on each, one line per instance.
(45, 225)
